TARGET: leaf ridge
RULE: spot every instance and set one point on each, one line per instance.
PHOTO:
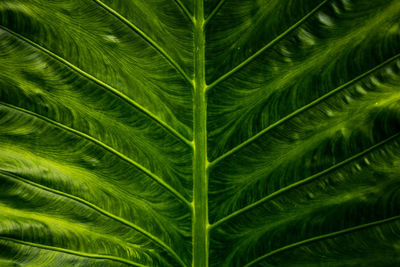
(256, 54)
(99, 210)
(304, 108)
(215, 11)
(157, 47)
(104, 146)
(304, 181)
(72, 252)
(325, 236)
(104, 85)
(200, 237)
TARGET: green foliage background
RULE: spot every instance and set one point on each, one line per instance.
(199, 132)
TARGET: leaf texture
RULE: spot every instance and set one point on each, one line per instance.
(199, 133)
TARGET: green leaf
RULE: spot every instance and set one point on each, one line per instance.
(199, 133)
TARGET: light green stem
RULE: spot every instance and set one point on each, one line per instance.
(200, 163)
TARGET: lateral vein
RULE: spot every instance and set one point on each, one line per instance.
(304, 181)
(147, 38)
(104, 146)
(325, 236)
(72, 252)
(184, 9)
(304, 108)
(256, 54)
(102, 84)
(99, 210)
(215, 11)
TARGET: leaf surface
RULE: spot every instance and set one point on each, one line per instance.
(199, 133)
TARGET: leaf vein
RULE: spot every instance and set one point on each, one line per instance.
(99, 210)
(256, 54)
(304, 181)
(184, 9)
(102, 84)
(147, 38)
(304, 108)
(325, 236)
(104, 146)
(72, 252)
(215, 11)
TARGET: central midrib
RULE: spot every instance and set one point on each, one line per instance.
(200, 202)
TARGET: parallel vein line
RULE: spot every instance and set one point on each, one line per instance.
(102, 84)
(104, 146)
(98, 209)
(304, 181)
(304, 108)
(184, 9)
(274, 41)
(147, 38)
(215, 11)
(325, 236)
(72, 252)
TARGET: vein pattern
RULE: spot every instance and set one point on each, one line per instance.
(199, 133)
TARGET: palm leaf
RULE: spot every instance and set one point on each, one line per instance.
(199, 133)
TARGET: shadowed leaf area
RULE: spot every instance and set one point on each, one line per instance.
(199, 133)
